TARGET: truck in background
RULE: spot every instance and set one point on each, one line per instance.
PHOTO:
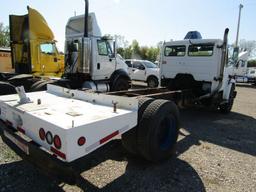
(241, 67)
(33, 46)
(91, 61)
(251, 75)
(201, 65)
(33, 54)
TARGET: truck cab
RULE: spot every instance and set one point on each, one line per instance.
(33, 46)
(91, 60)
(200, 65)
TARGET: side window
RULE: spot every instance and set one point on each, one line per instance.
(47, 48)
(128, 63)
(138, 65)
(102, 47)
(200, 50)
(175, 50)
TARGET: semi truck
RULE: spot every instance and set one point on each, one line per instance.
(56, 127)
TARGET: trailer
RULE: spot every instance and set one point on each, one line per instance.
(60, 125)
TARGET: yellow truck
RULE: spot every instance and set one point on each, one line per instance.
(33, 46)
(33, 54)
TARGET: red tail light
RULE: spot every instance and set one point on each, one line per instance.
(57, 141)
(42, 134)
(81, 141)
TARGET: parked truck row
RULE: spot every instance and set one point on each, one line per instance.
(90, 63)
(67, 122)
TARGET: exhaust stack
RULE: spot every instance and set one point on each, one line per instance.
(86, 18)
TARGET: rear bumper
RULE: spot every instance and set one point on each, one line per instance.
(41, 159)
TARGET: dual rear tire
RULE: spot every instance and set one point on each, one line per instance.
(155, 136)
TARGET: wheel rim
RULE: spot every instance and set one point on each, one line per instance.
(151, 83)
(167, 132)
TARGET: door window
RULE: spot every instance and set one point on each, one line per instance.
(104, 48)
(138, 65)
(47, 48)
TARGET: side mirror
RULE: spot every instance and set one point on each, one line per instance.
(111, 56)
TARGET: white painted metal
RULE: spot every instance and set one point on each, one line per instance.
(202, 68)
(71, 114)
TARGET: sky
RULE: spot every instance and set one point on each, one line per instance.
(148, 21)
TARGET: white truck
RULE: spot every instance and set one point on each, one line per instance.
(241, 67)
(54, 128)
(200, 65)
(251, 75)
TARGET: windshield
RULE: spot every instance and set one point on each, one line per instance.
(149, 64)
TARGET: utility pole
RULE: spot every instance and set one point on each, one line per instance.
(238, 24)
(236, 48)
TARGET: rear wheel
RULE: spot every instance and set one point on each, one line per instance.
(120, 84)
(158, 130)
(41, 85)
(129, 139)
(6, 88)
(152, 82)
(226, 107)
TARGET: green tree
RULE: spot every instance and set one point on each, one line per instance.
(4, 36)
(252, 63)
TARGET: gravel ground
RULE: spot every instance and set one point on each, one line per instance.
(215, 152)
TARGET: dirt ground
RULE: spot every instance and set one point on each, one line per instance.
(215, 152)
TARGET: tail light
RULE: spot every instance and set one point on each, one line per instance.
(42, 134)
(81, 141)
(57, 141)
(49, 138)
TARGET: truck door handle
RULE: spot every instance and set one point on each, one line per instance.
(98, 65)
(133, 70)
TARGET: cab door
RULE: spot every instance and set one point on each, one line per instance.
(49, 60)
(138, 71)
(105, 61)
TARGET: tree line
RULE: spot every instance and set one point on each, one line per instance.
(135, 51)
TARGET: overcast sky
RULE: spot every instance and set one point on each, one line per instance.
(148, 21)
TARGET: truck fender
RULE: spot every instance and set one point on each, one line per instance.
(118, 74)
(226, 89)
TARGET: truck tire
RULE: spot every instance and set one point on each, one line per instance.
(34, 85)
(158, 130)
(152, 82)
(120, 84)
(6, 88)
(41, 85)
(226, 108)
(129, 139)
